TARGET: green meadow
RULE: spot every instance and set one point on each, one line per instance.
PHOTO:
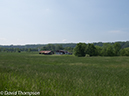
(63, 75)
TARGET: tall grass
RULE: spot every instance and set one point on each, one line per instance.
(64, 75)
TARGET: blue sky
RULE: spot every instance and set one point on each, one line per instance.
(63, 21)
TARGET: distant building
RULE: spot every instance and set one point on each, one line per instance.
(63, 52)
(46, 52)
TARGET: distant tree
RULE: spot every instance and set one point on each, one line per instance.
(59, 47)
(0, 49)
(124, 52)
(117, 48)
(91, 50)
(29, 49)
(98, 44)
(17, 49)
(79, 50)
(124, 44)
(50, 47)
(44, 48)
(98, 50)
(70, 49)
(4, 49)
(14, 49)
(7, 49)
(107, 50)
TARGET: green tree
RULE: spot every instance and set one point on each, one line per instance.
(44, 48)
(124, 52)
(4, 49)
(117, 48)
(79, 50)
(59, 47)
(107, 50)
(98, 50)
(29, 49)
(0, 49)
(50, 47)
(91, 50)
(15, 49)
(104, 47)
(18, 50)
(70, 49)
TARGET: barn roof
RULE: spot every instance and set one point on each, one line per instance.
(45, 52)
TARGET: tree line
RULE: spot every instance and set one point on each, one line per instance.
(51, 47)
(83, 49)
(73, 45)
(79, 49)
(18, 49)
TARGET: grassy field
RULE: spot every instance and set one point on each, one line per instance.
(55, 75)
